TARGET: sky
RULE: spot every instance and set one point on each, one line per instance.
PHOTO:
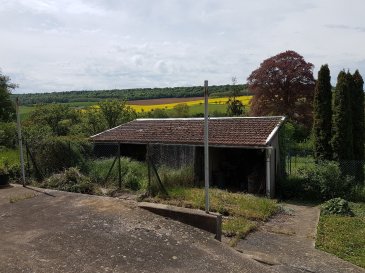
(61, 45)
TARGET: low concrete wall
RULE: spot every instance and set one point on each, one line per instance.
(210, 222)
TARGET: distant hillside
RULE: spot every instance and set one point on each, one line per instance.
(128, 94)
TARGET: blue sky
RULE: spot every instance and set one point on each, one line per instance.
(63, 45)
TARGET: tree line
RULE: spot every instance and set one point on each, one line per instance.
(128, 94)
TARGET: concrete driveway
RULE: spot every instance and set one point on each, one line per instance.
(65, 232)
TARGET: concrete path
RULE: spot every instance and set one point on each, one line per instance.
(65, 232)
(286, 244)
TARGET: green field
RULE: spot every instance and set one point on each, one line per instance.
(25, 111)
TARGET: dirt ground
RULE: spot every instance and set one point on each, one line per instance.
(66, 232)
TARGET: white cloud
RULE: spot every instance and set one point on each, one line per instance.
(71, 45)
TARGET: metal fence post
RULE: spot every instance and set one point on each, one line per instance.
(148, 169)
(119, 168)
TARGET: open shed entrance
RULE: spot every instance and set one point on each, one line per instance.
(235, 169)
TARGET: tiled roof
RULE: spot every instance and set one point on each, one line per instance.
(239, 132)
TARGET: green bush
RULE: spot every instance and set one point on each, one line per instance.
(8, 134)
(325, 180)
(57, 153)
(70, 180)
(322, 181)
(337, 206)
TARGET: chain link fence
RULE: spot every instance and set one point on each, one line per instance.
(299, 160)
(50, 158)
(171, 166)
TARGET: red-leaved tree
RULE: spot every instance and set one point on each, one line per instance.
(283, 85)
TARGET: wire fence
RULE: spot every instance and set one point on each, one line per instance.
(159, 168)
(297, 161)
(155, 168)
(171, 166)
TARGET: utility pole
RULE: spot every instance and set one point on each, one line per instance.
(206, 147)
(20, 141)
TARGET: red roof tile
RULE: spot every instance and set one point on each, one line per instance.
(222, 131)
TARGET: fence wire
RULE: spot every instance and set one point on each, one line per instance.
(298, 160)
(171, 166)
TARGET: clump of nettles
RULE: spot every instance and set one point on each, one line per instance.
(337, 206)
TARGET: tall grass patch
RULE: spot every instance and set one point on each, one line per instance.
(242, 212)
(133, 173)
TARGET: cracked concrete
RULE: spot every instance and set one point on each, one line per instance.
(287, 244)
(66, 232)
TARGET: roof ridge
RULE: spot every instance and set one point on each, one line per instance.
(211, 118)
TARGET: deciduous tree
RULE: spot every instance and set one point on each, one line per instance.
(7, 109)
(234, 106)
(116, 112)
(283, 85)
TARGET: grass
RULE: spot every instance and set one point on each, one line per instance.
(242, 212)
(134, 173)
(9, 156)
(298, 162)
(344, 236)
(24, 112)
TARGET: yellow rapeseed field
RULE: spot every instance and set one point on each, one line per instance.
(146, 108)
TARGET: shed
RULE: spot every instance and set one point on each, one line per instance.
(244, 151)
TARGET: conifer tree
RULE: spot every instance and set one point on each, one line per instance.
(358, 126)
(322, 115)
(358, 116)
(342, 140)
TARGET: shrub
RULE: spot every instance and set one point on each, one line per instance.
(57, 153)
(325, 181)
(320, 181)
(70, 180)
(8, 134)
(337, 206)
